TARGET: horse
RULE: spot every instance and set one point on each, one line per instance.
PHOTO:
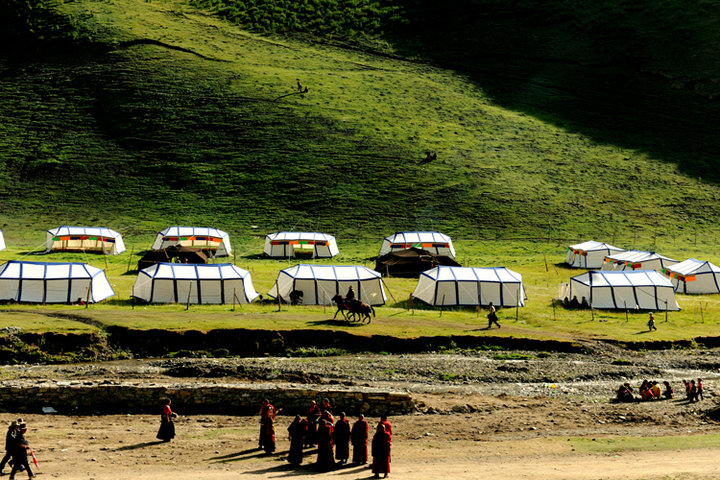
(357, 310)
(296, 297)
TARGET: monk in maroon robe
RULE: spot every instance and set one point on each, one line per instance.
(341, 437)
(359, 438)
(296, 431)
(388, 427)
(325, 459)
(313, 413)
(381, 452)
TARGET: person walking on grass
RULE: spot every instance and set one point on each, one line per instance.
(492, 316)
(651, 322)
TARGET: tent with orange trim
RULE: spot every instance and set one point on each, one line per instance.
(84, 239)
(294, 244)
(694, 277)
(636, 260)
(434, 242)
(589, 254)
(203, 238)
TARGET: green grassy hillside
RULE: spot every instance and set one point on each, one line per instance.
(550, 119)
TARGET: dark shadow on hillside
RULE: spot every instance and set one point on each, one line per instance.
(337, 323)
(619, 73)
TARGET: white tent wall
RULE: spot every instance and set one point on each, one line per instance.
(590, 254)
(287, 244)
(460, 286)
(99, 239)
(319, 283)
(39, 282)
(194, 237)
(642, 289)
(694, 277)
(433, 242)
(196, 284)
(2, 241)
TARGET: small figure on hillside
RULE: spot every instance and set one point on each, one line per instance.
(492, 316)
(429, 157)
(306, 89)
(299, 85)
(167, 426)
(651, 323)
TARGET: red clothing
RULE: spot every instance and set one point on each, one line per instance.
(359, 437)
(388, 427)
(325, 459)
(381, 444)
(341, 437)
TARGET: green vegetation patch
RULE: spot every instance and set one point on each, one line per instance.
(624, 444)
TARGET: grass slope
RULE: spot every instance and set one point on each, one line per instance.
(172, 116)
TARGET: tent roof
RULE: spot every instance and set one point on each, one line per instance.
(176, 231)
(15, 269)
(692, 265)
(592, 245)
(299, 236)
(417, 237)
(90, 231)
(485, 274)
(330, 272)
(215, 271)
(636, 278)
(637, 256)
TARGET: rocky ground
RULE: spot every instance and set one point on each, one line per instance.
(505, 414)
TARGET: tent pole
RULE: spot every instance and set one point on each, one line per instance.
(233, 309)
(130, 259)
(554, 314)
(391, 295)
(666, 312)
(187, 305)
(627, 319)
(442, 305)
(546, 265)
(412, 304)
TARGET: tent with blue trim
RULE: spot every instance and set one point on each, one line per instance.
(53, 282)
(470, 286)
(433, 242)
(636, 260)
(590, 254)
(194, 237)
(100, 239)
(694, 277)
(291, 244)
(320, 283)
(629, 290)
(217, 283)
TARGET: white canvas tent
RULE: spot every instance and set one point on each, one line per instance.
(636, 260)
(590, 254)
(2, 241)
(288, 244)
(195, 237)
(66, 238)
(446, 285)
(194, 283)
(694, 277)
(53, 282)
(433, 242)
(319, 283)
(641, 289)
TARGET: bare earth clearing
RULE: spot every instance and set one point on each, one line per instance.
(478, 416)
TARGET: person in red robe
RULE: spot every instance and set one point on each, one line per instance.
(313, 414)
(341, 437)
(325, 458)
(296, 431)
(267, 427)
(388, 427)
(359, 438)
(381, 451)
(167, 426)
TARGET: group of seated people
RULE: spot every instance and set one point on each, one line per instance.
(651, 390)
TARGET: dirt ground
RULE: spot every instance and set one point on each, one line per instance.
(514, 427)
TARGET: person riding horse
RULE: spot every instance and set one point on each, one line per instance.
(354, 307)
